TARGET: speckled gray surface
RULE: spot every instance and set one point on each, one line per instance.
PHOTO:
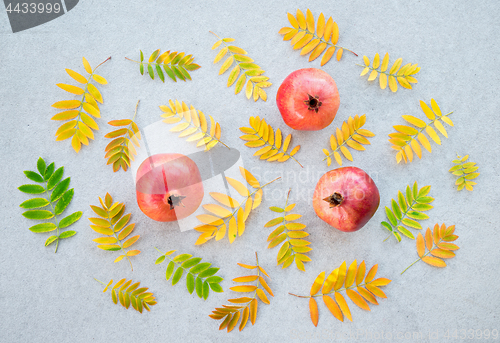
(49, 297)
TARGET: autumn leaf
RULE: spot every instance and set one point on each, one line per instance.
(290, 235)
(438, 245)
(350, 135)
(128, 293)
(314, 39)
(115, 228)
(79, 114)
(349, 280)
(244, 307)
(229, 215)
(410, 139)
(272, 146)
(466, 171)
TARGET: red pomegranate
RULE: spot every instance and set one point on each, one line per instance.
(346, 198)
(168, 187)
(308, 99)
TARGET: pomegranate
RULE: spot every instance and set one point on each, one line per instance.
(308, 99)
(168, 187)
(346, 198)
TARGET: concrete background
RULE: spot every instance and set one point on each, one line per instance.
(49, 297)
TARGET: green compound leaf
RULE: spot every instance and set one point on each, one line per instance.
(175, 64)
(407, 211)
(199, 275)
(38, 214)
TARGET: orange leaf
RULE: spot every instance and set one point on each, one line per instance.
(380, 282)
(343, 305)
(246, 266)
(248, 278)
(313, 309)
(367, 295)
(361, 273)
(253, 310)
(317, 283)
(265, 285)
(376, 291)
(357, 299)
(351, 273)
(371, 273)
(244, 318)
(333, 307)
(233, 321)
(262, 296)
(434, 261)
(420, 245)
(246, 288)
(428, 239)
(242, 300)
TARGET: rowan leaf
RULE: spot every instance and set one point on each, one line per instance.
(122, 149)
(230, 214)
(80, 126)
(336, 302)
(193, 124)
(57, 196)
(268, 140)
(407, 139)
(254, 88)
(128, 294)
(435, 243)
(395, 75)
(350, 135)
(313, 40)
(244, 307)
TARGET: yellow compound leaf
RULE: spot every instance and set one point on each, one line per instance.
(301, 19)
(357, 299)
(71, 89)
(343, 306)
